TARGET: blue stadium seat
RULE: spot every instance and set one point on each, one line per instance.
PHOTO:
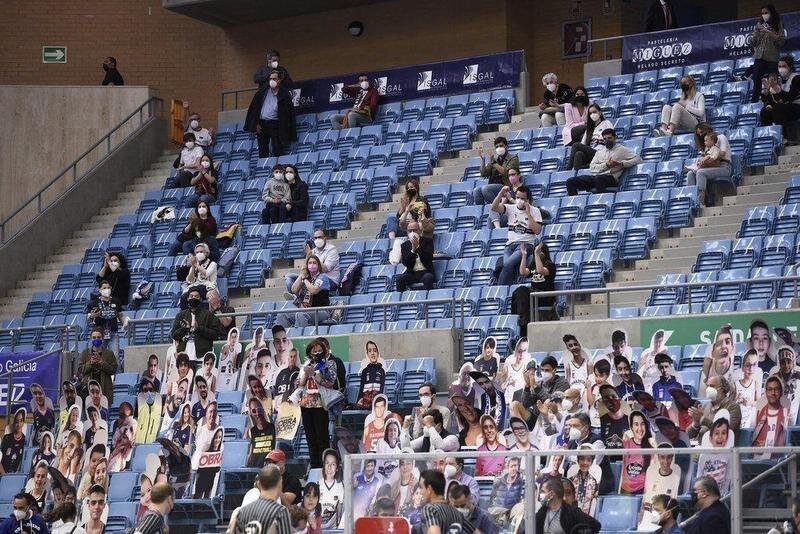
(619, 85)
(787, 219)
(571, 209)
(609, 234)
(731, 292)
(640, 233)
(121, 486)
(748, 115)
(777, 250)
(644, 125)
(581, 236)
(624, 313)
(456, 106)
(744, 253)
(389, 113)
(762, 290)
(655, 148)
(629, 106)
(712, 256)
(698, 72)
(597, 87)
(547, 137)
(792, 194)
(555, 237)
(656, 311)
(734, 93)
(595, 268)
(719, 71)
(482, 272)
(619, 512)
(757, 221)
(681, 207)
(668, 78)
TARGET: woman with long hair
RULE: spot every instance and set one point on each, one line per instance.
(313, 507)
(98, 475)
(713, 163)
(200, 228)
(206, 476)
(310, 290)
(183, 427)
(576, 113)
(782, 96)
(768, 38)
(115, 272)
(122, 443)
(685, 114)
(45, 452)
(468, 421)
(204, 182)
(542, 273)
(747, 384)
(490, 466)
(402, 482)
(634, 467)
(389, 444)
(319, 371)
(582, 152)
(73, 422)
(331, 490)
(70, 456)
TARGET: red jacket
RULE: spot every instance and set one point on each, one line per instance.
(370, 101)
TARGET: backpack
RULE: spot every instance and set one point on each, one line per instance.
(226, 260)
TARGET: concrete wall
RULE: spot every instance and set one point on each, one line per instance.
(546, 336)
(440, 343)
(49, 230)
(52, 126)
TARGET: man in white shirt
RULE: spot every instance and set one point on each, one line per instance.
(328, 255)
(203, 136)
(524, 226)
(187, 164)
(608, 164)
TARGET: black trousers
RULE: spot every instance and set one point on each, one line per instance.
(315, 424)
(587, 182)
(761, 69)
(269, 134)
(780, 114)
(426, 278)
(521, 305)
(580, 156)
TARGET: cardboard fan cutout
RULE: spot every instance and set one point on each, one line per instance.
(12, 446)
(149, 417)
(208, 466)
(488, 361)
(46, 451)
(209, 371)
(38, 484)
(373, 375)
(44, 416)
(229, 356)
(586, 475)
(720, 436)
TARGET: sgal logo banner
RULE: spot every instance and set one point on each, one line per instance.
(386, 88)
(474, 76)
(426, 81)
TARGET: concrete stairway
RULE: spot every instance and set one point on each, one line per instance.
(98, 227)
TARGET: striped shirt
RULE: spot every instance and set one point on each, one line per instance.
(151, 522)
(444, 516)
(263, 516)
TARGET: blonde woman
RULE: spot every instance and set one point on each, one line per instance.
(686, 113)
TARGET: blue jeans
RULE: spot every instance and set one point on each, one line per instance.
(501, 218)
(291, 277)
(393, 225)
(193, 199)
(303, 318)
(213, 246)
(485, 194)
(354, 120)
(512, 256)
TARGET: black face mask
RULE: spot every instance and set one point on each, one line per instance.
(694, 498)
(105, 67)
(193, 303)
(685, 86)
(609, 143)
(317, 356)
(580, 100)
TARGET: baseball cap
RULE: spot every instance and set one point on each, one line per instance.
(276, 455)
(531, 366)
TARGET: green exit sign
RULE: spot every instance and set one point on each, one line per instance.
(54, 54)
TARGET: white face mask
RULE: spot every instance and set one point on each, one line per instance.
(500, 151)
(273, 64)
(273, 83)
(425, 400)
(711, 393)
(202, 211)
(364, 85)
(552, 87)
(449, 471)
(464, 511)
(201, 256)
(520, 203)
(783, 71)
(113, 265)
(190, 144)
(655, 517)
(567, 405)
(206, 164)
(278, 175)
(574, 433)
(19, 515)
(105, 292)
(766, 17)
(290, 176)
(194, 124)
(595, 117)
(319, 243)
(413, 235)
(546, 375)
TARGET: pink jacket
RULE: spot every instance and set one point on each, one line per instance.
(573, 119)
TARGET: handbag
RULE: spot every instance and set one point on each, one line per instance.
(331, 398)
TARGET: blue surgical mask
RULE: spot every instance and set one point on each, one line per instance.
(97, 343)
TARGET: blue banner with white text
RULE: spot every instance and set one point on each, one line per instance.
(444, 78)
(44, 372)
(700, 44)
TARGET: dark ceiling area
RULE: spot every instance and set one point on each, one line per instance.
(227, 13)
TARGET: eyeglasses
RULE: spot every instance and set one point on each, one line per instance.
(519, 429)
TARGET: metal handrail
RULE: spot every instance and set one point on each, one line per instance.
(571, 293)
(10, 375)
(454, 302)
(154, 107)
(67, 328)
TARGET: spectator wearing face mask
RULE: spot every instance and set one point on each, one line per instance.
(496, 171)
(607, 166)
(202, 136)
(115, 272)
(195, 327)
(551, 109)
(261, 76)
(412, 194)
(500, 220)
(365, 106)
(685, 114)
(201, 228)
(660, 16)
(418, 210)
(202, 274)
(98, 362)
(782, 96)
(524, 225)
(205, 183)
(297, 206)
(576, 113)
(583, 148)
(768, 37)
(271, 117)
(113, 77)
(187, 163)
(276, 194)
(417, 257)
(105, 313)
(328, 255)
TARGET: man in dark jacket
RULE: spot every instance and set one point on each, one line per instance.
(98, 363)
(712, 515)
(526, 405)
(416, 254)
(365, 105)
(660, 16)
(197, 326)
(261, 77)
(112, 77)
(569, 516)
(271, 117)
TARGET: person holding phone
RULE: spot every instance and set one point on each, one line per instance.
(768, 38)
(524, 227)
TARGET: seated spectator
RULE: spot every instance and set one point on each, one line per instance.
(417, 257)
(205, 183)
(664, 513)
(781, 96)
(608, 164)
(297, 205)
(412, 196)
(583, 148)
(507, 492)
(719, 393)
(115, 272)
(435, 436)
(262, 75)
(666, 380)
(328, 254)
(685, 114)
(576, 114)
(526, 407)
(496, 171)
(427, 398)
(497, 220)
(201, 228)
(524, 225)
(713, 162)
(542, 274)
(112, 77)
(187, 163)
(551, 109)
(202, 274)
(204, 137)
(104, 313)
(271, 117)
(310, 290)
(365, 105)
(276, 195)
